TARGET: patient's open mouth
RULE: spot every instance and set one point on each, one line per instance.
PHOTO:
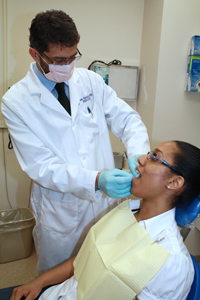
(138, 175)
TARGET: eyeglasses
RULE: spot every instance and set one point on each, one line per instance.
(154, 156)
(62, 61)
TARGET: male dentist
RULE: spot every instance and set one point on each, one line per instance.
(59, 119)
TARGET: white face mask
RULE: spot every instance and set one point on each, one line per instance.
(60, 73)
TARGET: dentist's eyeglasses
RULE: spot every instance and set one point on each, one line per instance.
(63, 61)
(154, 156)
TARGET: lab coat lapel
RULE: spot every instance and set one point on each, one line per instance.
(49, 100)
(36, 87)
(75, 92)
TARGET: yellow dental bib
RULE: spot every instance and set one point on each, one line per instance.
(117, 259)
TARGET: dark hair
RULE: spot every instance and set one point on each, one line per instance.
(52, 27)
(187, 163)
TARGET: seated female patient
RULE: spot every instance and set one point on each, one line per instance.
(169, 176)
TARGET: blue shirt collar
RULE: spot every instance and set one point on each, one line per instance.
(50, 85)
(47, 83)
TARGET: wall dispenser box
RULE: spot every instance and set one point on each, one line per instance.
(193, 64)
(193, 69)
(123, 79)
(192, 82)
(15, 234)
(194, 48)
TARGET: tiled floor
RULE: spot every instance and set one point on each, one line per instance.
(18, 272)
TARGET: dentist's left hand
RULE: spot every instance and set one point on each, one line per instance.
(115, 183)
(133, 163)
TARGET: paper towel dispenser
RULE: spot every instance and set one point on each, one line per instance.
(123, 79)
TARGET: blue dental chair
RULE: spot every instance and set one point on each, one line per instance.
(184, 216)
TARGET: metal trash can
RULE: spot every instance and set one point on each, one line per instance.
(16, 227)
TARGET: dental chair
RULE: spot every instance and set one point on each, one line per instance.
(184, 216)
(194, 293)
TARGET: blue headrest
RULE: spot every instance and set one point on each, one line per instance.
(186, 213)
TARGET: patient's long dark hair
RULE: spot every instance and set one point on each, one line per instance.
(187, 163)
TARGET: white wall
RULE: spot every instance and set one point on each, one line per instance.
(176, 111)
(151, 35)
(2, 169)
(109, 29)
(168, 111)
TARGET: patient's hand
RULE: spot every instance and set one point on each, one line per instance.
(30, 291)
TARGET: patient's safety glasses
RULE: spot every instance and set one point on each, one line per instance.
(154, 156)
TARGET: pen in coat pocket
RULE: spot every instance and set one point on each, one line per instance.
(89, 110)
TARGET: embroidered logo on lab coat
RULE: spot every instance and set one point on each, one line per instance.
(86, 98)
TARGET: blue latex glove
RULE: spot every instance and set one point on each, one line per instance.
(115, 183)
(133, 163)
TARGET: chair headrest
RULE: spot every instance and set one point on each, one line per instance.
(188, 212)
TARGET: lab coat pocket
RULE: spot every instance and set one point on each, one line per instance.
(59, 215)
(89, 125)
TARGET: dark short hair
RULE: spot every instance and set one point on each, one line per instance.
(52, 27)
(187, 163)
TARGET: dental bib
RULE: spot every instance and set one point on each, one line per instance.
(117, 259)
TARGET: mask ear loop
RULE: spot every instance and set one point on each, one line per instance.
(40, 64)
(42, 69)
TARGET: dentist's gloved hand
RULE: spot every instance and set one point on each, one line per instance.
(133, 163)
(115, 183)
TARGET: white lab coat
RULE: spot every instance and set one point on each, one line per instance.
(63, 154)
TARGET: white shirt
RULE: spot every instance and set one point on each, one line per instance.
(173, 280)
